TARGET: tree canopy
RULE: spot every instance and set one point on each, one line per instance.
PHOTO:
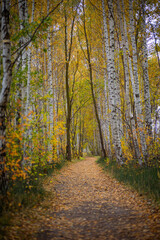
(77, 77)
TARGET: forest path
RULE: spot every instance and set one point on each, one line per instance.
(89, 204)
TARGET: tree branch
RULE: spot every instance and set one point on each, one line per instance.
(34, 33)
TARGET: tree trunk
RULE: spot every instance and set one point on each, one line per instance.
(50, 87)
(138, 108)
(21, 109)
(6, 83)
(125, 64)
(106, 108)
(68, 98)
(112, 88)
(23, 18)
(106, 77)
(29, 64)
(28, 106)
(68, 120)
(0, 41)
(132, 120)
(148, 119)
(92, 89)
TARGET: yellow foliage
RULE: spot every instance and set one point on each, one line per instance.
(126, 151)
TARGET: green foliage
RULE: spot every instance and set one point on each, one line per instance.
(146, 180)
(29, 191)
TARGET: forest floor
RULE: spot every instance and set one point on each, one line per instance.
(86, 203)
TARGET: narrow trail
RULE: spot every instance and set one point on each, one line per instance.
(88, 204)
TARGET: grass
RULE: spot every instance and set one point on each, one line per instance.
(25, 193)
(145, 180)
(78, 159)
(29, 192)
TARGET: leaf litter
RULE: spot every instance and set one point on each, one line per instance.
(86, 203)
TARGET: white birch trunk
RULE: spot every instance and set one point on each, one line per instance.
(22, 4)
(118, 99)
(29, 64)
(132, 125)
(22, 16)
(106, 72)
(112, 88)
(50, 81)
(138, 107)
(148, 119)
(56, 107)
(4, 94)
(106, 112)
(125, 61)
(28, 106)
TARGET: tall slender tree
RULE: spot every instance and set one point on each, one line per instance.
(68, 52)
(106, 75)
(148, 120)
(112, 86)
(50, 84)
(91, 82)
(4, 94)
(138, 107)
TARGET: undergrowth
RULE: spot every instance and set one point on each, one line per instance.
(145, 180)
(27, 192)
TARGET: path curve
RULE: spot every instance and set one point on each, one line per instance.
(87, 204)
(92, 205)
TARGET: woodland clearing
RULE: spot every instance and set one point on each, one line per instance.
(86, 203)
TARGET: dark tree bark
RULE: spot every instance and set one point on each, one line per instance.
(6, 83)
(92, 88)
(68, 97)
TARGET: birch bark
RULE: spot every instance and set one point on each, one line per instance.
(148, 119)
(132, 120)
(29, 64)
(106, 74)
(125, 60)
(138, 108)
(23, 18)
(50, 81)
(28, 106)
(112, 87)
(4, 94)
(106, 112)
(118, 97)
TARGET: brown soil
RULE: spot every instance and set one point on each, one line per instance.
(87, 204)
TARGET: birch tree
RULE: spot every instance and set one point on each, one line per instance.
(138, 107)
(130, 117)
(50, 83)
(125, 62)
(106, 76)
(23, 19)
(113, 88)
(148, 119)
(4, 94)
(29, 63)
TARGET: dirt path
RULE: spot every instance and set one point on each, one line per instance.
(88, 204)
